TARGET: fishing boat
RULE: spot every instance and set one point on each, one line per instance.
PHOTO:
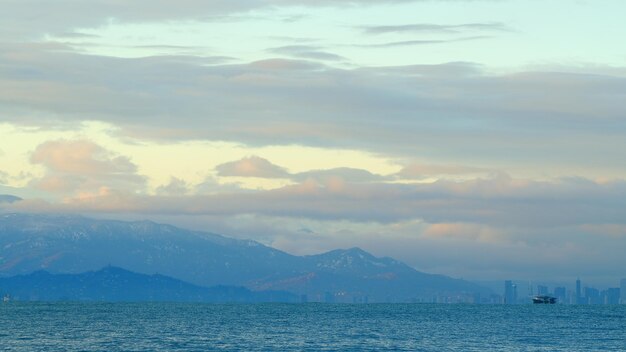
(544, 300)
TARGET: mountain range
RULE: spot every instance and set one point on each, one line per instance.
(112, 284)
(75, 244)
(7, 198)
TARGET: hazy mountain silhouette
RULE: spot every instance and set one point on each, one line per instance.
(7, 198)
(113, 284)
(73, 244)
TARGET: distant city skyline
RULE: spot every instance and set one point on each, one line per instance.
(576, 292)
(478, 139)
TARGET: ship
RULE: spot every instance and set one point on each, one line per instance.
(544, 300)
(6, 298)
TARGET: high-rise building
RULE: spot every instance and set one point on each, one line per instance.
(510, 292)
(592, 296)
(560, 293)
(476, 299)
(578, 299)
(611, 296)
(623, 291)
(542, 290)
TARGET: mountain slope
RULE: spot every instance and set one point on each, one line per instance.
(115, 284)
(354, 273)
(7, 198)
(72, 244)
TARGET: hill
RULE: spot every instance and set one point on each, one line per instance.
(113, 284)
(7, 198)
(73, 244)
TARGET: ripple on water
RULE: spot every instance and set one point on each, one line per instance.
(309, 327)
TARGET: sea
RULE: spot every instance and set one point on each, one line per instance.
(38, 326)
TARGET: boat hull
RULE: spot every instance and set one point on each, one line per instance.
(544, 300)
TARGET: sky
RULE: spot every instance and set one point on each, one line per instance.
(482, 139)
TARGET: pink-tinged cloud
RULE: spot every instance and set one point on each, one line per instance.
(252, 166)
(493, 202)
(419, 171)
(84, 167)
(58, 183)
(80, 157)
(465, 231)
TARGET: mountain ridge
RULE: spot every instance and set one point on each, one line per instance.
(113, 284)
(74, 244)
(7, 198)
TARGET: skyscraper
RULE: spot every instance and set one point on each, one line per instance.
(611, 296)
(592, 296)
(542, 290)
(623, 291)
(510, 292)
(578, 293)
(560, 293)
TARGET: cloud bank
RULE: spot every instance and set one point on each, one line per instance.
(439, 110)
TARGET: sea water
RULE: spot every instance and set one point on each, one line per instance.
(28, 326)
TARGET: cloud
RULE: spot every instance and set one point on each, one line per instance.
(80, 157)
(306, 52)
(211, 186)
(454, 70)
(343, 173)
(81, 165)
(497, 201)
(32, 18)
(76, 35)
(18, 178)
(286, 65)
(291, 39)
(475, 232)
(437, 28)
(454, 109)
(4, 177)
(421, 171)
(422, 42)
(252, 166)
(255, 166)
(176, 187)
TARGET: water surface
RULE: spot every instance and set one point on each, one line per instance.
(309, 327)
